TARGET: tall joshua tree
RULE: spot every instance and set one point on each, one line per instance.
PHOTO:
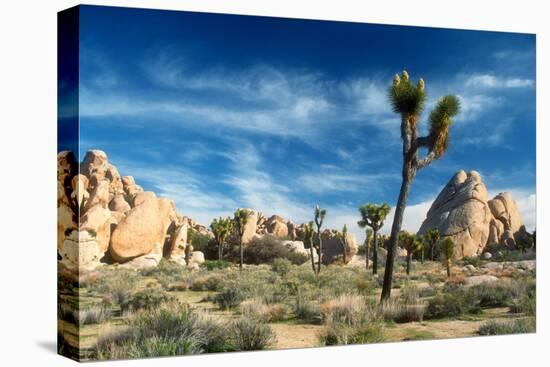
(343, 238)
(221, 228)
(308, 238)
(432, 239)
(373, 215)
(411, 243)
(320, 215)
(408, 101)
(448, 251)
(368, 241)
(240, 219)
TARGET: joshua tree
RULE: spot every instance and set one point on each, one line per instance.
(221, 228)
(373, 215)
(308, 238)
(411, 243)
(343, 237)
(432, 239)
(448, 250)
(368, 241)
(408, 101)
(319, 218)
(240, 220)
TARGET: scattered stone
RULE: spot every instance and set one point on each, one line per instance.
(486, 256)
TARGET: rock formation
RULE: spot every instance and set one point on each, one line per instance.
(333, 250)
(105, 216)
(463, 212)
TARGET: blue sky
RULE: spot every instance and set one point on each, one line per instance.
(222, 111)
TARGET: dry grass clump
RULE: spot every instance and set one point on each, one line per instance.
(257, 309)
(346, 309)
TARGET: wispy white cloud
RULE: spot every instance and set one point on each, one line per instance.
(492, 81)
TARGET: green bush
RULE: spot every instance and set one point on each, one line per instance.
(216, 264)
(343, 334)
(520, 326)
(94, 314)
(166, 331)
(229, 298)
(250, 334)
(266, 249)
(452, 304)
(281, 266)
(116, 285)
(147, 299)
(209, 282)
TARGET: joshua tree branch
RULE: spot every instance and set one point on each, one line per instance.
(429, 158)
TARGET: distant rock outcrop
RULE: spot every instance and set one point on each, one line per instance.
(463, 212)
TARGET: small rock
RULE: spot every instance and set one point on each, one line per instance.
(470, 267)
(486, 255)
(479, 279)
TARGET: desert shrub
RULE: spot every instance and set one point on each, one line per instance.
(229, 298)
(398, 310)
(472, 260)
(216, 264)
(520, 326)
(249, 334)
(452, 304)
(342, 334)
(526, 303)
(209, 282)
(364, 286)
(334, 281)
(168, 273)
(94, 314)
(307, 310)
(178, 286)
(257, 309)
(266, 249)
(166, 331)
(344, 309)
(281, 266)
(147, 299)
(410, 294)
(116, 285)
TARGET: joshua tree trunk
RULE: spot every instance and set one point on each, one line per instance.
(367, 252)
(409, 259)
(374, 251)
(320, 255)
(220, 251)
(311, 252)
(432, 251)
(422, 258)
(448, 268)
(396, 227)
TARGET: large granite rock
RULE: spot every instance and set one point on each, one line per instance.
(333, 250)
(140, 231)
(507, 219)
(463, 212)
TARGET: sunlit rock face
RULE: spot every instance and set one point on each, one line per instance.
(463, 212)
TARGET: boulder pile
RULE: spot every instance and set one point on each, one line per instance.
(464, 212)
(104, 217)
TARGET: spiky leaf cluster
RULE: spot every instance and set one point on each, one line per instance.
(406, 98)
(440, 120)
(448, 247)
(320, 215)
(221, 228)
(410, 242)
(373, 215)
(240, 219)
